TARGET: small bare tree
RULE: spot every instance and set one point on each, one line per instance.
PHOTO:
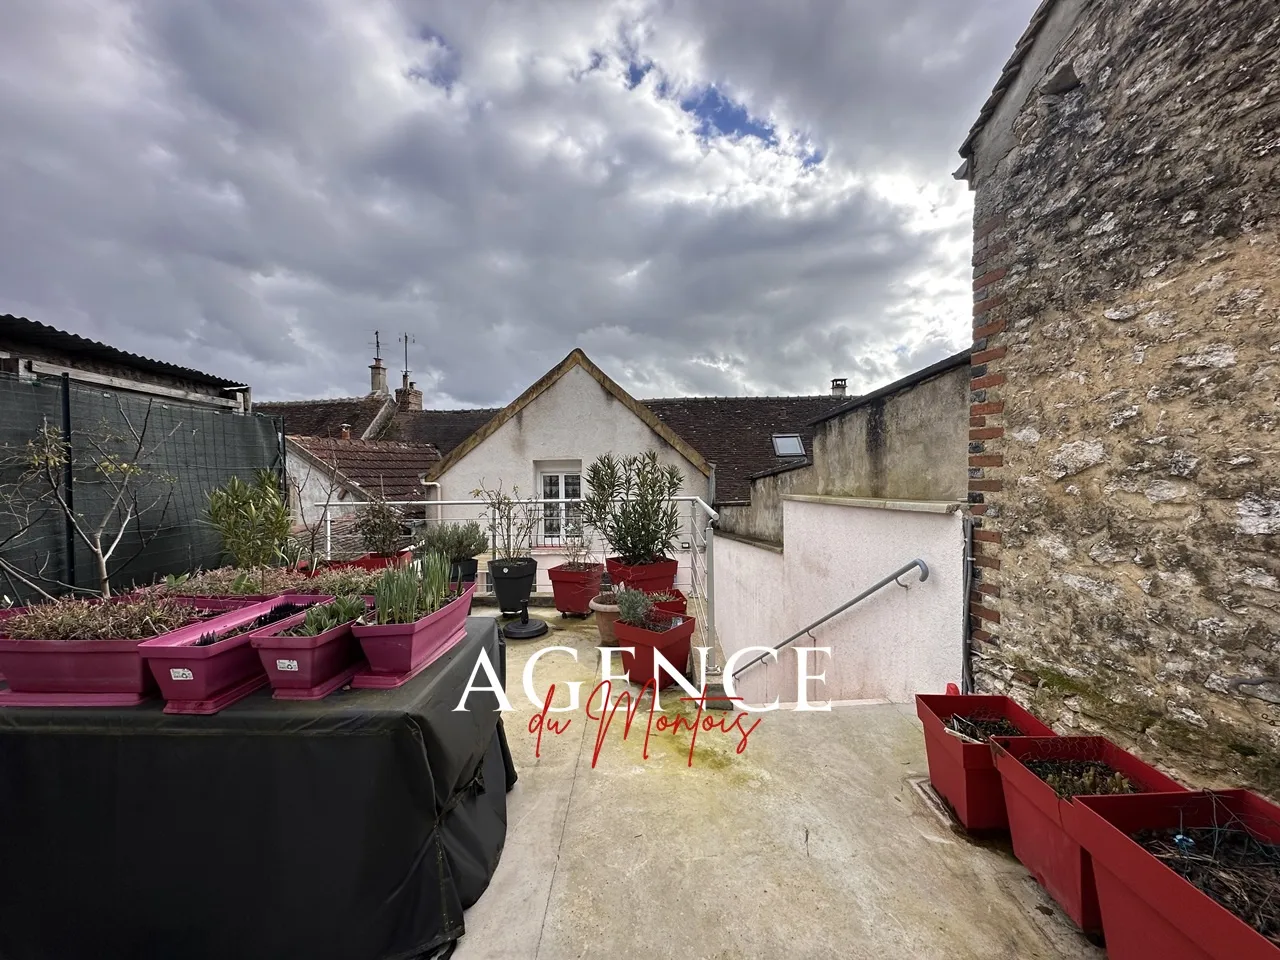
(113, 465)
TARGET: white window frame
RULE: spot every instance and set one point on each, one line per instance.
(559, 469)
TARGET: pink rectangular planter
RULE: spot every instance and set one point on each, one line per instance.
(397, 652)
(89, 673)
(307, 668)
(1038, 817)
(963, 773)
(204, 680)
(1148, 910)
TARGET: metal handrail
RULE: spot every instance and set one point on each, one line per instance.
(891, 578)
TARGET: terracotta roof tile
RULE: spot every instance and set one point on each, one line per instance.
(324, 418)
(386, 469)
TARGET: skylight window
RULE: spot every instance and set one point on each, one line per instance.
(788, 445)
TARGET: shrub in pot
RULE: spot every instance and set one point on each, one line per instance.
(650, 632)
(462, 543)
(417, 618)
(630, 501)
(312, 653)
(86, 653)
(513, 570)
(207, 672)
(252, 519)
(605, 607)
(577, 580)
(380, 527)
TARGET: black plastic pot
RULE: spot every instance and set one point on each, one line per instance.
(463, 571)
(513, 581)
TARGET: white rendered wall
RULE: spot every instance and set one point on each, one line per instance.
(894, 644)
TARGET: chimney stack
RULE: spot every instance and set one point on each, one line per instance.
(378, 377)
(409, 397)
(838, 386)
(346, 431)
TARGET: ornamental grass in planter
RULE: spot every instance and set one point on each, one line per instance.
(312, 653)
(258, 583)
(206, 673)
(577, 580)
(1185, 876)
(651, 633)
(957, 730)
(462, 543)
(630, 501)
(1041, 776)
(341, 582)
(418, 618)
(86, 652)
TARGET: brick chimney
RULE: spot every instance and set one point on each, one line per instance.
(839, 386)
(378, 377)
(346, 431)
(408, 397)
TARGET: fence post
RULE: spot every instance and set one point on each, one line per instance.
(328, 534)
(711, 599)
(68, 481)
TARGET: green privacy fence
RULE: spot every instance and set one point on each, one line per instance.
(175, 452)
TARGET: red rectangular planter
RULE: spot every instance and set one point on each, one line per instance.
(204, 680)
(1147, 909)
(649, 577)
(963, 773)
(677, 607)
(307, 668)
(641, 666)
(87, 673)
(1037, 818)
(398, 652)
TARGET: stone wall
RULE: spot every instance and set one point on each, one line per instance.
(1126, 384)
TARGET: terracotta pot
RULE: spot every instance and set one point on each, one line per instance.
(606, 616)
(674, 644)
(649, 577)
(573, 589)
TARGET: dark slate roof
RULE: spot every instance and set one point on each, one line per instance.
(381, 468)
(1008, 74)
(324, 418)
(444, 429)
(19, 331)
(736, 433)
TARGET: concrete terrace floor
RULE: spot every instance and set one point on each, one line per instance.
(812, 843)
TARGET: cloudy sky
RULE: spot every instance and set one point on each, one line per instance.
(707, 196)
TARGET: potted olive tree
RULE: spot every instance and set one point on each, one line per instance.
(381, 530)
(577, 580)
(462, 543)
(631, 502)
(513, 570)
(649, 632)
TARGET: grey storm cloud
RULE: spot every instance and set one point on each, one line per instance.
(708, 196)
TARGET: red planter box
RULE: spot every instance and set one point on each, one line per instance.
(573, 589)
(964, 773)
(1037, 816)
(204, 680)
(674, 644)
(1147, 909)
(677, 607)
(397, 652)
(307, 668)
(87, 673)
(370, 561)
(649, 577)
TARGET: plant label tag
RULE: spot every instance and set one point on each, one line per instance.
(287, 666)
(181, 673)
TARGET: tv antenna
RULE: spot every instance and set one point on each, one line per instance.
(407, 339)
(377, 346)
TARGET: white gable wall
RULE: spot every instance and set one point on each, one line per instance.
(575, 419)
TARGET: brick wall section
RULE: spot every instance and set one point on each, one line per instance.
(1124, 438)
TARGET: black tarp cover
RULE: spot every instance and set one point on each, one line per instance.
(355, 827)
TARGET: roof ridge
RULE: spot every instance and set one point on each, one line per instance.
(766, 396)
(288, 403)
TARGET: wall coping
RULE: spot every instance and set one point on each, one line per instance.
(874, 503)
(749, 541)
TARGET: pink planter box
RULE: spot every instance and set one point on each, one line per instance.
(307, 668)
(963, 773)
(87, 673)
(397, 652)
(1038, 816)
(1148, 910)
(204, 680)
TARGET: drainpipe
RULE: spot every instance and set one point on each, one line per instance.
(439, 497)
(966, 640)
